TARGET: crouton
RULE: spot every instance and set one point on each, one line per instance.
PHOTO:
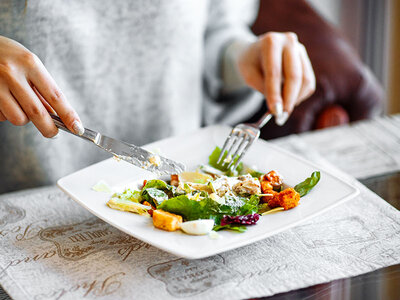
(288, 199)
(274, 179)
(174, 180)
(266, 186)
(166, 221)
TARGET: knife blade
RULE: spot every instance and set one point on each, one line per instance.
(128, 152)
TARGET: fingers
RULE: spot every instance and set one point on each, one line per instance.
(308, 81)
(52, 98)
(44, 102)
(32, 106)
(271, 60)
(10, 108)
(2, 117)
(27, 91)
(292, 72)
(254, 78)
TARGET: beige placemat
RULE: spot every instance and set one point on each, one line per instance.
(51, 248)
(362, 149)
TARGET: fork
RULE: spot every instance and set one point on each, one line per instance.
(239, 141)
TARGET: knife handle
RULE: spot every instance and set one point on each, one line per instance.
(88, 134)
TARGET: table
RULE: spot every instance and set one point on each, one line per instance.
(380, 284)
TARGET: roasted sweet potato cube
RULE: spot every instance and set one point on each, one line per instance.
(166, 221)
(288, 198)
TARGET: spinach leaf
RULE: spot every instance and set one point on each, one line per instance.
(213, 158)
(306, 186)
(238, 228)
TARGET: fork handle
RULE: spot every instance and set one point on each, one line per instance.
(264, 120)
(88, 134)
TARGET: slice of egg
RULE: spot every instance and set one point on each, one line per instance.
(197, 227)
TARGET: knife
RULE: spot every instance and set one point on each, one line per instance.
(128, 152)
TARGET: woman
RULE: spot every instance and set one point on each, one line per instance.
(135, 70)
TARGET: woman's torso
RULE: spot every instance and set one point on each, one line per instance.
(131, 69)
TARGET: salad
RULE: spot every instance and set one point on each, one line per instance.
(212, 198)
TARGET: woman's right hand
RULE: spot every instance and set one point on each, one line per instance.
(29, 93)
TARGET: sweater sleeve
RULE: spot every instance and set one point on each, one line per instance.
(228, 25)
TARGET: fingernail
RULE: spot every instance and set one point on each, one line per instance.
(278, 110)
(282, 118)
(78, 127)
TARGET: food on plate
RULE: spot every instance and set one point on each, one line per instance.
(166, 221)
(198, 227)
(287, 199)
(212, 198)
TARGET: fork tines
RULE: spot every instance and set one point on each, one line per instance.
(238, 142)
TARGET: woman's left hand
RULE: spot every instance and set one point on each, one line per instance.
(278, 66)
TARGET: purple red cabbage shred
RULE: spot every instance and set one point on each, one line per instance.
(242, 220)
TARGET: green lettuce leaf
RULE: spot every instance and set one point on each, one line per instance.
(129, 195)
(156, 191)
(182, 205)
(303, 188)
(210, 209)
(155, 196)
(238, 228)
(213, 158)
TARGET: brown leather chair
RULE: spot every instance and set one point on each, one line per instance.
(346, 90)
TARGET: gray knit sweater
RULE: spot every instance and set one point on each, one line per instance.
(136, 70)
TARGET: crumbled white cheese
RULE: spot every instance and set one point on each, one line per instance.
(228, 159)
(216, 198)
(102, 186)
(155, 160)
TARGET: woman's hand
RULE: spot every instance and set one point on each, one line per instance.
(29, 93)
(278, 66)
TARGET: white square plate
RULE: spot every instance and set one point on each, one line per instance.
(193, 149)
